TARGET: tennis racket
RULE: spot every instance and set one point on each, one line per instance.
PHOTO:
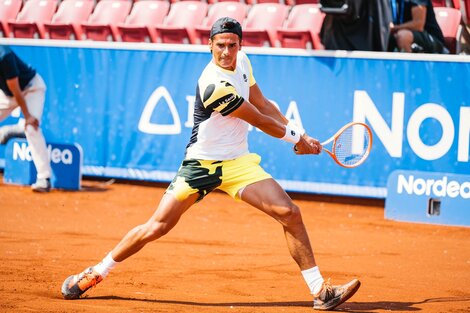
(350, 146)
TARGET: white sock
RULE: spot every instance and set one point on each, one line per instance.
(105, 266)
(313, 279)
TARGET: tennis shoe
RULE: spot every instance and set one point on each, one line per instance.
(76, 285)
(331, 296)
(42, 185)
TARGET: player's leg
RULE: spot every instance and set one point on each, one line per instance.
(161, 222)
(268, 196)
(264, 193)
(186, 188)
(35, 97)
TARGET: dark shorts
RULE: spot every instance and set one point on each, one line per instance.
(422, 42)
(427, 43)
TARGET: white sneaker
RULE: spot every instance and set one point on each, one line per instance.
(42, 185)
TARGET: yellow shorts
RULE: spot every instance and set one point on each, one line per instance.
(203, 176)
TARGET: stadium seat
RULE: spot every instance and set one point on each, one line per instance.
(251, 2)
(178, 26)
(9, 10)
(30, 21)
(141, 22)
(439, 3)
(446, 3)
(302, 29)
(449, 21)
(465, 8)
(261, 24)
(296, 2)
(215, 1)
(236, 10)
(66, 22)
(102, 23)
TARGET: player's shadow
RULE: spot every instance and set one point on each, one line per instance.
(363, 307)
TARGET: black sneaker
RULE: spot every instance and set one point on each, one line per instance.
(330, 296)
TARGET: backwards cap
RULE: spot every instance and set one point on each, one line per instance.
(226, 25)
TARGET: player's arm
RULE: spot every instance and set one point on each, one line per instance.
(223, 97)
(14, 86)
(279, 129)
(268, 108)
(264, 105)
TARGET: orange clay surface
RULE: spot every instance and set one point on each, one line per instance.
(223, 256)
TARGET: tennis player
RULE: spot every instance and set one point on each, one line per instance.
(228, 100)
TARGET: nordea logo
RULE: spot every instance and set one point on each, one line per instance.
(23, 152)
(436, 187)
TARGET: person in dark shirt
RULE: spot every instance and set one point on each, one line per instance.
(22, 87)
(415, 28)
(363, 25)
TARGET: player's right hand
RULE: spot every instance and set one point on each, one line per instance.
(307, 145)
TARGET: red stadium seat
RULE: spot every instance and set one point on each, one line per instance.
(446, 3)
(439, 3)
(296, 2)
(251, 2)
(449, 21)
(30, 21)
(9, 10)
(262, 22)
(215, 1)
(466, 11)
(141, 22)
(302, 28)
(178, 26)
(102, 23)
(66, 22)
(236, 10)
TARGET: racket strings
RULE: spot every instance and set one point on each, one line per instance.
(349, 152)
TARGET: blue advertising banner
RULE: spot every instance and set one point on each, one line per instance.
(130, 108)
(66, 161)
(428, 197)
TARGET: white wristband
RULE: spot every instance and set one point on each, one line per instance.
(292, 134)
(296, 127)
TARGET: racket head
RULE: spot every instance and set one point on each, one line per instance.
(351, 145)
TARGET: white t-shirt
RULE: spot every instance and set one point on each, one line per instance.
(216, 135)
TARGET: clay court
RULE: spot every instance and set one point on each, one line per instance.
(223, 256)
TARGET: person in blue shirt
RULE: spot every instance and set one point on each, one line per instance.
(415, 28)
(21, 86)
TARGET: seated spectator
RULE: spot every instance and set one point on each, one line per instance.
(356, 24)
(415, 28)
